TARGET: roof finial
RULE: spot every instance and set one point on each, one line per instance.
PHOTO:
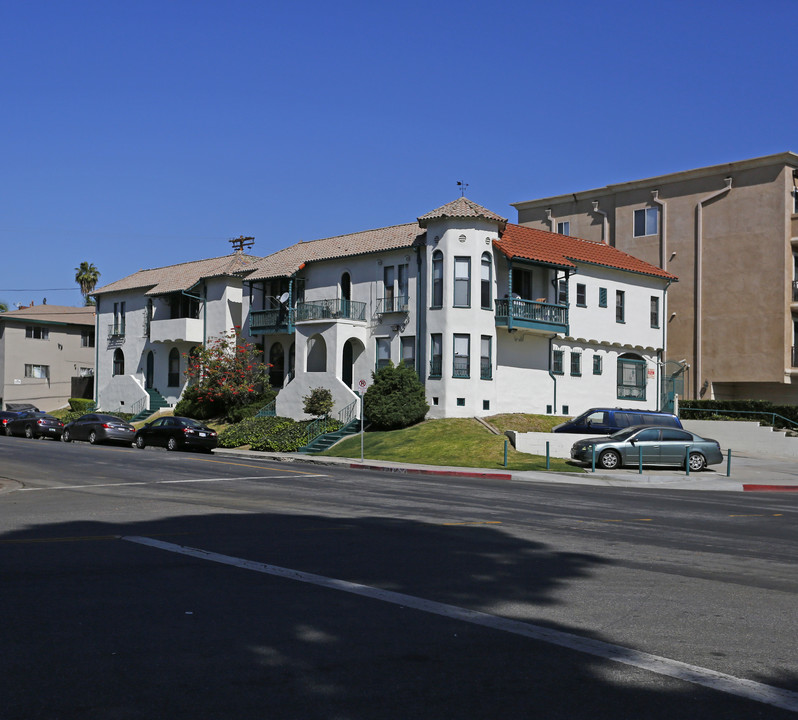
(462, 186)
(241, 242)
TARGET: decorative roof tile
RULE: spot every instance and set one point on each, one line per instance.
(518, 241)
(183, 276)
(66, 314)
(460, 208)
(286, 262)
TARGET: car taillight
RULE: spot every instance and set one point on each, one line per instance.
(40, 422)
(188, 431)
(106, 425)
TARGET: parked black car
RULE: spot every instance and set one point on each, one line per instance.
(175, 433)
(34, 425)
(5, 416)
(97, 428)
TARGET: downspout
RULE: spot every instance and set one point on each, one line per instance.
(663, 243)
(699, 266)
(605, 234)
(96, 352)
(510, 295)
(552, 376)
(660, 362)
(419, 363)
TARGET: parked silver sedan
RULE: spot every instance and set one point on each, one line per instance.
(658, 445)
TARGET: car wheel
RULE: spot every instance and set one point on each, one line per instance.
(140, 442)
(609, 460)
(28, 432)
(66, 437)
(171, 444)
(697, 462)
(93, 437)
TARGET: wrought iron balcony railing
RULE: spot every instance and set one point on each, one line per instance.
(398, 304)
(334, 309)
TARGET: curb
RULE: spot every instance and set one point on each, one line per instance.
(770, 488)
(419, 471)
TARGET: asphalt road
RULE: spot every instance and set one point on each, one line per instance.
(148, 584)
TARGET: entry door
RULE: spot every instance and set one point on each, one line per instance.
(346, 364)
(148, 380)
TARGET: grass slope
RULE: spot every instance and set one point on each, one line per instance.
(458, 442)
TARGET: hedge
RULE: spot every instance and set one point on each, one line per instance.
(740, 410)
(274, 434)
(82, 405)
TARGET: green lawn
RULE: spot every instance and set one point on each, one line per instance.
(458, 442)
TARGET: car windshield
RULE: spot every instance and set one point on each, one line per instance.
(624, 434)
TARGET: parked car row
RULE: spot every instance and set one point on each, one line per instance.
(173, 433)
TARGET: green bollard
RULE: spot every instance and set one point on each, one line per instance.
(548, 456)
(506, 441)
(640, 460)
(594, 459)
(728, 463)
(687, 460)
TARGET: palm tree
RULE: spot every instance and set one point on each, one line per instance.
(86, 276)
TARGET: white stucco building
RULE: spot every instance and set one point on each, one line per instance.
(494, 318)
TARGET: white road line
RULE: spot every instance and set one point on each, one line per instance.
(168, 482)
(749, 689)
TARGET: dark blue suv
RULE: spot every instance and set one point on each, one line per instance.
(606, 421)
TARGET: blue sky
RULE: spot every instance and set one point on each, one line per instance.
(144, 134)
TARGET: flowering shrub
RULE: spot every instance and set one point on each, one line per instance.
(224, 375)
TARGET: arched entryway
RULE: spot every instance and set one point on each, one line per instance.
(351, 362)
(277, 362)
(149, 374)
(317, 354)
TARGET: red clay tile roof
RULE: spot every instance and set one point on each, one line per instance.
(286, 262)
(183, 276)
(460, 208)
(528, 243)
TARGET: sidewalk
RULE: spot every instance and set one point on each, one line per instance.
(747, 473)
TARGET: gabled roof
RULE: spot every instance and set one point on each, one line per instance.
(460, 208)
(564, 251)
(285, 263)
(60, 314)
(183, 276)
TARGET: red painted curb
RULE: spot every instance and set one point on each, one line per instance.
(771, 488)
(417, 471)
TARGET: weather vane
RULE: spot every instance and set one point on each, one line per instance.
(462, 187)
(241, 242)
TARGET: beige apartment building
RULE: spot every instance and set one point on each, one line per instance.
(47, 355)
(730, 234)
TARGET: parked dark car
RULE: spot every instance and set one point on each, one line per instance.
(34, 425)
(658, 445)
(605, 421)
(175, 433)
(98, 428)
(5, 416)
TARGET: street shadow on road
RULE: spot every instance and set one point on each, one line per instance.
(99, 627)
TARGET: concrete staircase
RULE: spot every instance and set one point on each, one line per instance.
(157, 401)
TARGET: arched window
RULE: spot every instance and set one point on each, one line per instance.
(487, 281)
(631, 377)
(119, 362)
(317, 354)
(437, 279)
(174, 368)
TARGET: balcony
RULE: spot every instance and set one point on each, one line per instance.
(176, 329)
(517, 314)
(116, 330)
(388, 305)
(325, 310)
(270, 322)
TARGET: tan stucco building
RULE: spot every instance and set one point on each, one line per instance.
(47, 355)
(730, 234)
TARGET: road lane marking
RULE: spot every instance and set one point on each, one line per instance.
(721, 682)
(162, 482)
(476, 522)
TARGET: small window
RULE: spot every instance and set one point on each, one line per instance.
(565, 410)
(654, 311)
(556, 362)
(383, 352)
(620, 306)
(602, 297)
(486, 404)
(118, 362)
(436, 355)
(646, 222)
(460, 402)
(564, 228)
(435, 401)
(173, 379)
(576, 362)
(39, 372)
(597, 364)
(462, 282)
(562, 292)
(581, 295)
(87, 338)
(437, 279)
(37, 333)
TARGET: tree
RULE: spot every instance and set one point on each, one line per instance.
(319, 402)
(86, 276)
(3, 307)
(395, 399)
(227, 373)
